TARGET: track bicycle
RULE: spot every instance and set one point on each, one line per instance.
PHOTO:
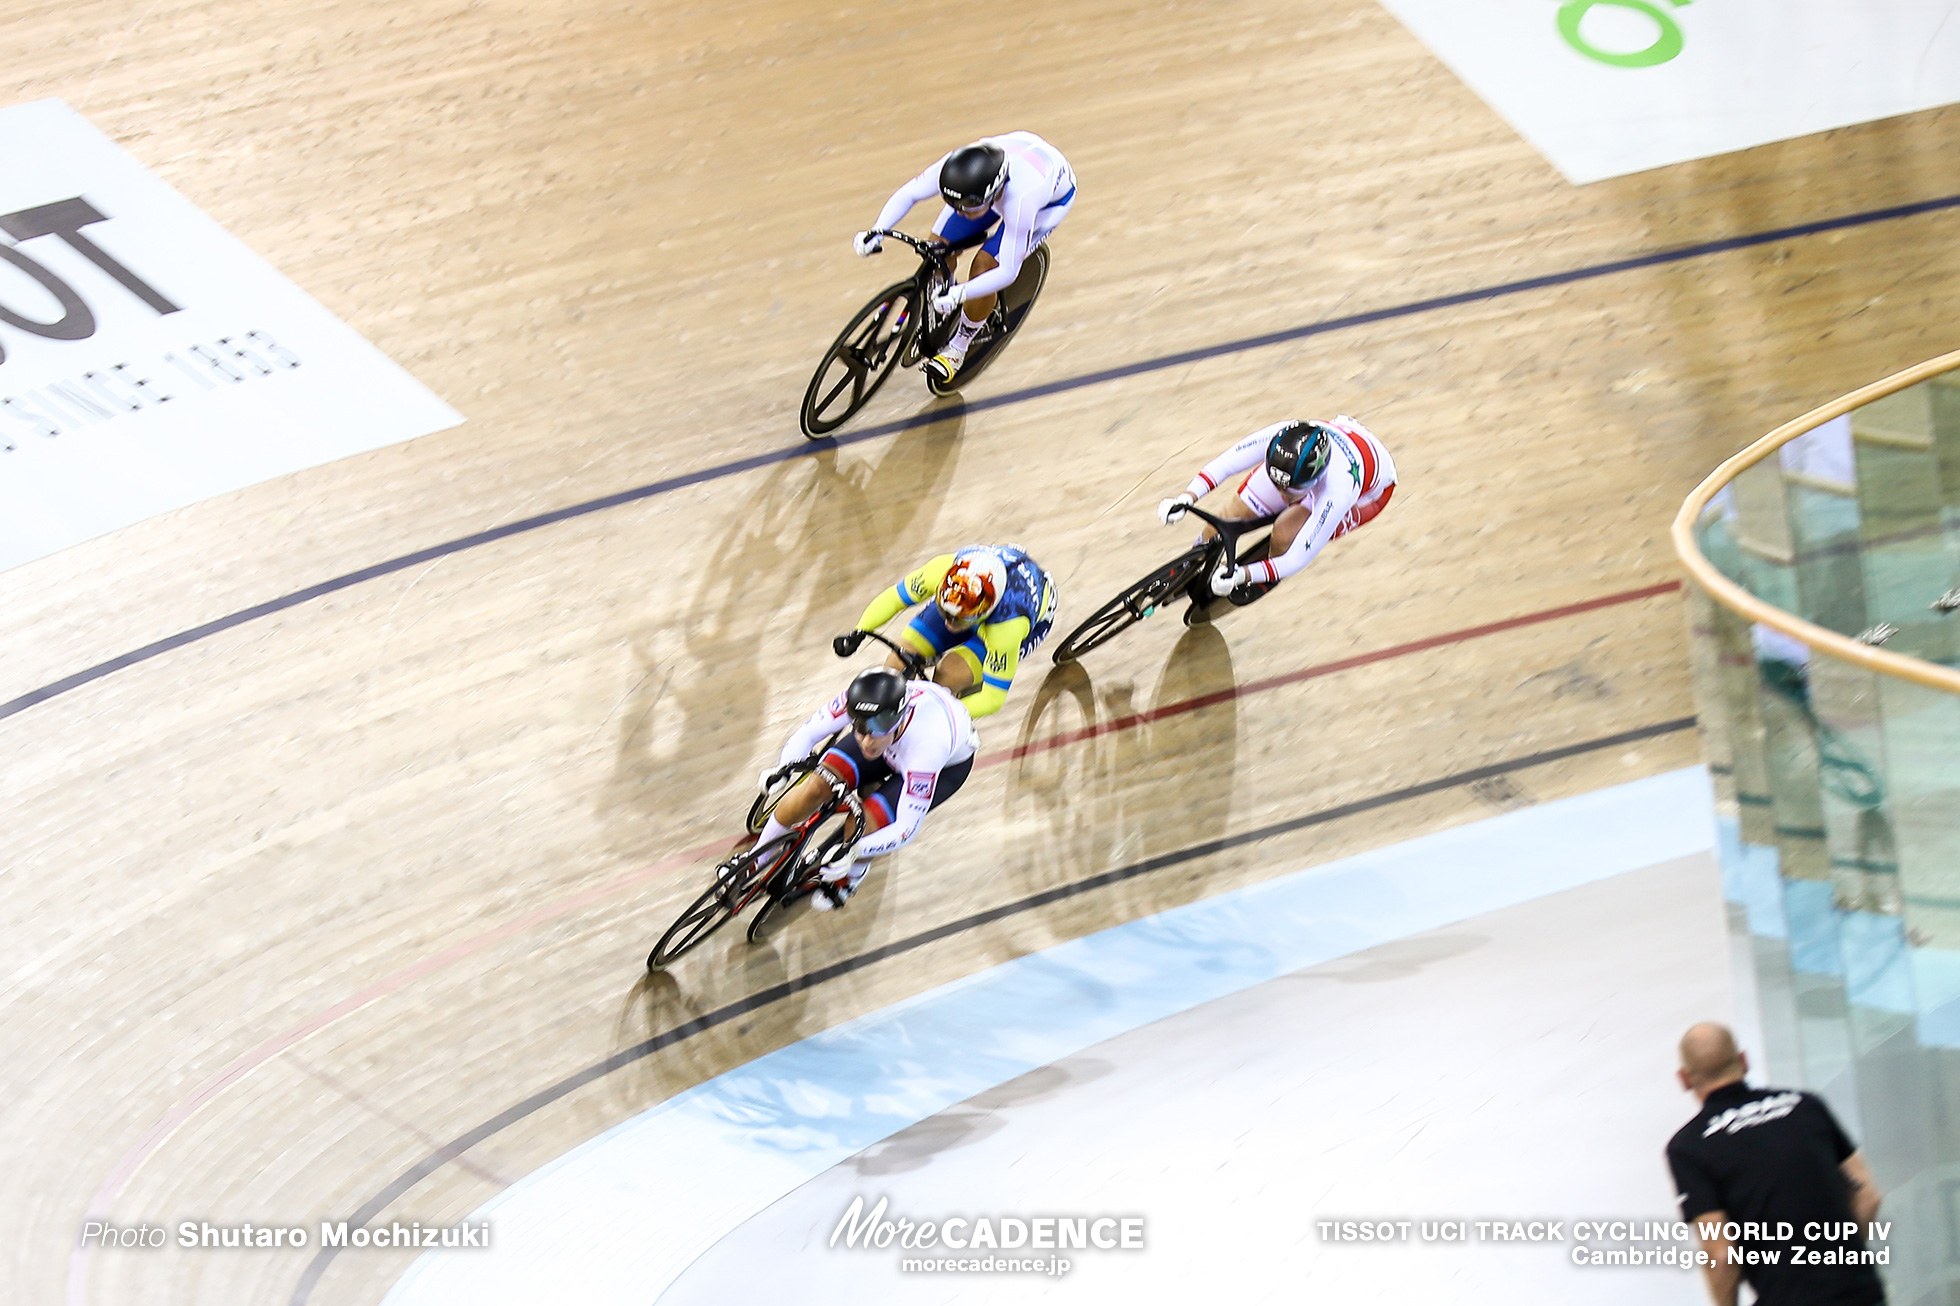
(784, 871)
(1176, 578)
(900, 328)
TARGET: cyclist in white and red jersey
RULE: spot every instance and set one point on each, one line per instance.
(1318, 480)
(1016, 180)
(910, 748)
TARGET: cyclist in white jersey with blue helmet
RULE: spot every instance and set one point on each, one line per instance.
(1017, 180)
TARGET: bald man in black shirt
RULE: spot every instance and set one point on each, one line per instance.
(1775, 1159)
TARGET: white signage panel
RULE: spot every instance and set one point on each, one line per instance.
(150, 359)
(1607, 87)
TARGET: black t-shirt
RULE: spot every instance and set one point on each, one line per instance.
(1772, 1156)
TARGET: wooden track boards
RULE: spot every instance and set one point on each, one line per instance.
(616, 237)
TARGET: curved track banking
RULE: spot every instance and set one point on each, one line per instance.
(323, 879)
(959, 409)
(101, 1205)
(503, 1120)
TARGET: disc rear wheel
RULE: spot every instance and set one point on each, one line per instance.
(1016, 302)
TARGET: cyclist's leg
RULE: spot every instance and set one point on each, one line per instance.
(958, 672)
(1287, 528)
(880, 805)
(962, 233)
(881, 800)
(1367, 510)
(807, 794)
(1285, 531)
(926, 634)
(950, 781)
(878, 786)
(843, 763)
(880, 797)
(961, 654)
(987, 257)
(1261, 550)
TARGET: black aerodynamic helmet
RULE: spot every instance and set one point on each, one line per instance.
(1298, 453)
(972, 175)
(876, 700)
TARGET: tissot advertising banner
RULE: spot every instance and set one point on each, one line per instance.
(147, 358)
(1607, 87)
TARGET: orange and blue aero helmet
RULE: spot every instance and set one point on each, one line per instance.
(972, 589)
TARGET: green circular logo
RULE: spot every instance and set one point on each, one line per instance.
(1666, 44)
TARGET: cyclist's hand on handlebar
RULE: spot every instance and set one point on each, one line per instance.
(949, 298)
(867, 243)
(845, 645)
(770, 777)
(1228, 579)
(1171, 509)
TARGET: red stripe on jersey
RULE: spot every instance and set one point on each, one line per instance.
(1370, 465)
(839, 763)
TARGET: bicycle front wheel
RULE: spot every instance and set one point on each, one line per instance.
(773, 907)
(865, 353)
(1132, 605)
(737, 882)
(765, 802)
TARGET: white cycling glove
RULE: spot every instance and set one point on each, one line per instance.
(945, 301)
(837, 863)
(1171, 509)
(1229, 579)
(867, 243)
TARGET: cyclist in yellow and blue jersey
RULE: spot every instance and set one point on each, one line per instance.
(990, 604)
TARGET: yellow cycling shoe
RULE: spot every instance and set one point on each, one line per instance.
(942, 368)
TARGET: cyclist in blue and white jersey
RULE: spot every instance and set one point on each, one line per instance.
(1017, 180)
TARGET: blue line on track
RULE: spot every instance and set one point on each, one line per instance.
(765, 998)
(950, 411)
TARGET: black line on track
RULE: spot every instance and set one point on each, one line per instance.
(949, 411)
(429, 1164)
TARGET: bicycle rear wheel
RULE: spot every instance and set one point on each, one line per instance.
(1016, 302)
(737, 881)
(865, 352)
(1133, 605)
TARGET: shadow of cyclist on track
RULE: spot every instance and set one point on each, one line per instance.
(1148, 785)
(818, 533)
(821, 532)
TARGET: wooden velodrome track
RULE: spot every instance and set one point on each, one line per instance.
(292, 907)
